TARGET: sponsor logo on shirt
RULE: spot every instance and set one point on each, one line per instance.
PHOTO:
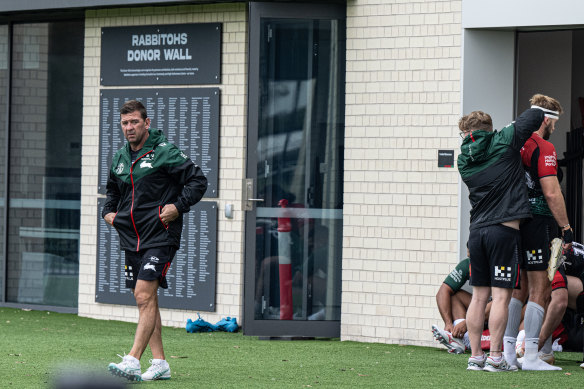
(456, 275)
(550, 160)
(120, 168)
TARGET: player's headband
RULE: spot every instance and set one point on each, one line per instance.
(548, 112)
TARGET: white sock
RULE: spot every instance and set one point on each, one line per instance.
(509, 349)
(531, 346)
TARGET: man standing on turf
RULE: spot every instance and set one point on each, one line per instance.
(490, 165)
(549, 217)
(151, 184)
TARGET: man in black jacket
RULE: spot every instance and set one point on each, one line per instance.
(151, 184)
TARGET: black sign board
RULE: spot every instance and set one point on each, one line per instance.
(189, 117)
(191, 277)
(174, 54)
(445, 158)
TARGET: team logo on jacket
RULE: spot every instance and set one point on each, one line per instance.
(147, 164)
(120, 168)
(502, 273)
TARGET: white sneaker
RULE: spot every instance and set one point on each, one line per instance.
(158, 370)
(454, 345)
(476, 363)
(129, 368)
(556, 258)
(495, 367)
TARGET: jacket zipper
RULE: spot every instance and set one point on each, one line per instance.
(132, 207)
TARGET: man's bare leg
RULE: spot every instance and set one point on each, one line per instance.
(554, 313)
(498, 318)
(147, 301)
(156, 339)
(475, 318)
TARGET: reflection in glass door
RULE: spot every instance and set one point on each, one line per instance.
(42, 265)
(296, 222)
(4, 74)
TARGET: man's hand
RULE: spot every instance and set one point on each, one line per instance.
(448, 327)
(459, 329)
(109, 218)
(168, 213)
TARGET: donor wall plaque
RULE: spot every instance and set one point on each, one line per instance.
(174, 54)
(191, 277)
(189, 117)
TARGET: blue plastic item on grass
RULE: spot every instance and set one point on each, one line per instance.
(228, 325)
(200, 325)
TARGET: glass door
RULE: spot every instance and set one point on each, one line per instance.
(44, 164)
(295, 170)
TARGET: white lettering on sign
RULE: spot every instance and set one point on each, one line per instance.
(143, 55)
(160, 39)
(176, 54)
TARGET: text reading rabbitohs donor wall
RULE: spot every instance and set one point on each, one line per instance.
(177, 54)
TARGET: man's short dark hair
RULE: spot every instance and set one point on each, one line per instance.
(133, 106)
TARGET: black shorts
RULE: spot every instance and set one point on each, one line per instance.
(148, 265)
(495, 256)
(536, 236)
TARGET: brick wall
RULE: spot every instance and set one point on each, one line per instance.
(401, 211)
(232, 144)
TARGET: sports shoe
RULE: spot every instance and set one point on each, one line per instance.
(475, 363)
(227, 324)
(128, 368)
(557, 257)
(547, 358)
(200, 325)
(495, 367)
(158, 370)
(454, 345)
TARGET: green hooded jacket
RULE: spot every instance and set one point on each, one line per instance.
(490, 166)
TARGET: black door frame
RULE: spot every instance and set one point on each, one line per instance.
(252, 326)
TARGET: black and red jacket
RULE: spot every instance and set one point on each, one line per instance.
(137, 192)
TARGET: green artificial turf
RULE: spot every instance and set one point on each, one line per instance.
(38, 347)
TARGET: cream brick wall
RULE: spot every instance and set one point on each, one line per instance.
(232, 146)
(401, 211)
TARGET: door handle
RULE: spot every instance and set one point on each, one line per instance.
(248, 189)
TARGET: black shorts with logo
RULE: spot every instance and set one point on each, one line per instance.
(149, 264)
(495, 256)
(536, 236)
